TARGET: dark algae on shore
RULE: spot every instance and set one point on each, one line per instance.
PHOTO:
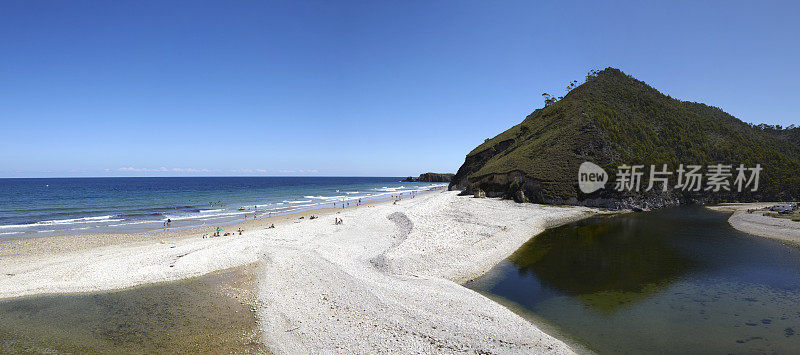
(676, 280)
(208, 314)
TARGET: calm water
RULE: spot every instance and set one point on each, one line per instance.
(37, 207)
(192, 316)
(679, 280)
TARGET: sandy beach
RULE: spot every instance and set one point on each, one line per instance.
(387, 278)
(756, 223)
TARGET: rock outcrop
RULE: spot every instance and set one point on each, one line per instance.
(430, 177)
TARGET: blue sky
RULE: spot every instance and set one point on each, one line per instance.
(379, 88)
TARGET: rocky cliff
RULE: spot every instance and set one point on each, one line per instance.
(430, 177)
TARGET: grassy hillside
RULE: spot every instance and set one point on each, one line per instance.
(614, 119)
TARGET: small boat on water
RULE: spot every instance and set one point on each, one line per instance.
(240, 209)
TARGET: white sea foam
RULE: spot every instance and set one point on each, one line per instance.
(78, 220)
(390, 189)
(68, 221)
(223, 214)
(325, 197)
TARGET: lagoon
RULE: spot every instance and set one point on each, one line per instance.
(678, 280)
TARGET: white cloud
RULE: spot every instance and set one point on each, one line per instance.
(191, 170)
(299, 171)
(249, 171)
(142, 170)
(162, 169)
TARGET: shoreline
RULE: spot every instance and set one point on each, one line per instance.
(171, 232)
(71, 242)
(389, 277)
(756, 223)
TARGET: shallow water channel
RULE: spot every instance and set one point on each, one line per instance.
(208, 314)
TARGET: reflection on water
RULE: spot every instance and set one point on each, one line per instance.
(200, 315)
(675, 280)
(606, 259)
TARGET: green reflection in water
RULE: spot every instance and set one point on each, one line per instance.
(671, 281)
(607, 265)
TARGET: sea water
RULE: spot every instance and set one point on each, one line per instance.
(40, 207)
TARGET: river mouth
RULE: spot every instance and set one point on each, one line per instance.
(677, 280)
(208, 314)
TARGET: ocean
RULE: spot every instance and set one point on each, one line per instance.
(55, 206)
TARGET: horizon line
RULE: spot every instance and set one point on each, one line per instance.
(190, 176)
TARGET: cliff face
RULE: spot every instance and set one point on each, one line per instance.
(613, 119)
(430, 177)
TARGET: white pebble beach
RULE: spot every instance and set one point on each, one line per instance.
(389, 277)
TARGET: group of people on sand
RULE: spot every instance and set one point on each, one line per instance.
(219, 230)
(338, 221)
(347, 203)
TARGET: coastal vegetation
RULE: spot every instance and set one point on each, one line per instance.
(614, 119)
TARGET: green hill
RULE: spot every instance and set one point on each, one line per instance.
(614, 119)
